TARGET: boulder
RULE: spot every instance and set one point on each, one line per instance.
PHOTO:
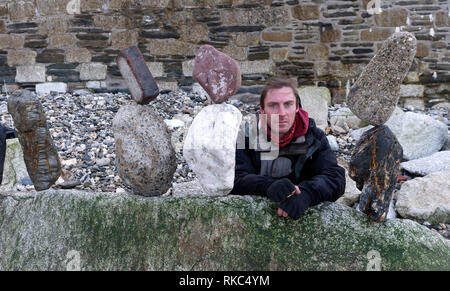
(14, 167)
(437, 162)
(344, 116)
(351, 194)
(315, 100)
(426, 198)
(333, 143)
(145, 157)
(217, 73)
(375, 93)
(420, 135)
(40, 155)
(375, 167)
(69, 229)
(210, 145)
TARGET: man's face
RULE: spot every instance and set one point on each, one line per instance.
(282, 102)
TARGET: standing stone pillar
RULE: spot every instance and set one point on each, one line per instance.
(375, 160)
(210, 145)
(40, 155)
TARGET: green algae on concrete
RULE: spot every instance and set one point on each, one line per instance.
(109, 231)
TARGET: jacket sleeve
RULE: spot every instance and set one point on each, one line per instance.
(328, 178)
(246, 181)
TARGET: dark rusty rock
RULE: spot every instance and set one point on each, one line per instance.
(375, 165)
(41, 157)
(135, 71)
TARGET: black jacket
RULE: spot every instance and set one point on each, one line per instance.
(316, 173)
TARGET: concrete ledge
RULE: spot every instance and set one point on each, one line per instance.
(108, 231)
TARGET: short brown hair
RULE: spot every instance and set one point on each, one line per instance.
(277, 83)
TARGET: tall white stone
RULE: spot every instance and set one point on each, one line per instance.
(210, 146)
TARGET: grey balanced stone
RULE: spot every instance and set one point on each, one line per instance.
(144, 154)
(40, 155)
(69, 229)
(375, 93)
(426, 198)
(437, 162)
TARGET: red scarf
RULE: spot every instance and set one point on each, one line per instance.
(299, 128)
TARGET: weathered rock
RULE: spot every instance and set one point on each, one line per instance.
(375, 93)
(344, 116)
(5, 134)
(437, 162)
(333, 143)
(145, 158)
(315, 101)
(420, 135)
(40, 155)
(218, 74)
(14, 169)
(47, 88)
(110, 231)
(375, 166)
(351, 194)
(210, 145)
(356, 134)
(136, 73)
(426, 198)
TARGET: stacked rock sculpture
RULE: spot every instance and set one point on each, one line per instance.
(40, 155)
(210, 145)
(375, 161)
(145, 158)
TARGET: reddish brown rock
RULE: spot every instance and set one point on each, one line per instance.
(217, 73)
(134, 70)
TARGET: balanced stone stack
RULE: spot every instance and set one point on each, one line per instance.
(210, 145)
(145, 158)
(40, 155)
(376, 158)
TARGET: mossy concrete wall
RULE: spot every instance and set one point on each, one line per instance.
(125, 232)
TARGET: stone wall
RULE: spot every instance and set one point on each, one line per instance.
(324, 43)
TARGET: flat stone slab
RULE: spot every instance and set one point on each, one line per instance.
(375, 93)
(437, 162)
(110, 231)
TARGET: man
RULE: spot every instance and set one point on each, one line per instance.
(305, 172)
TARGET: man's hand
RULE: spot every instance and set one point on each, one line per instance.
(280, 190)
(283, 213)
